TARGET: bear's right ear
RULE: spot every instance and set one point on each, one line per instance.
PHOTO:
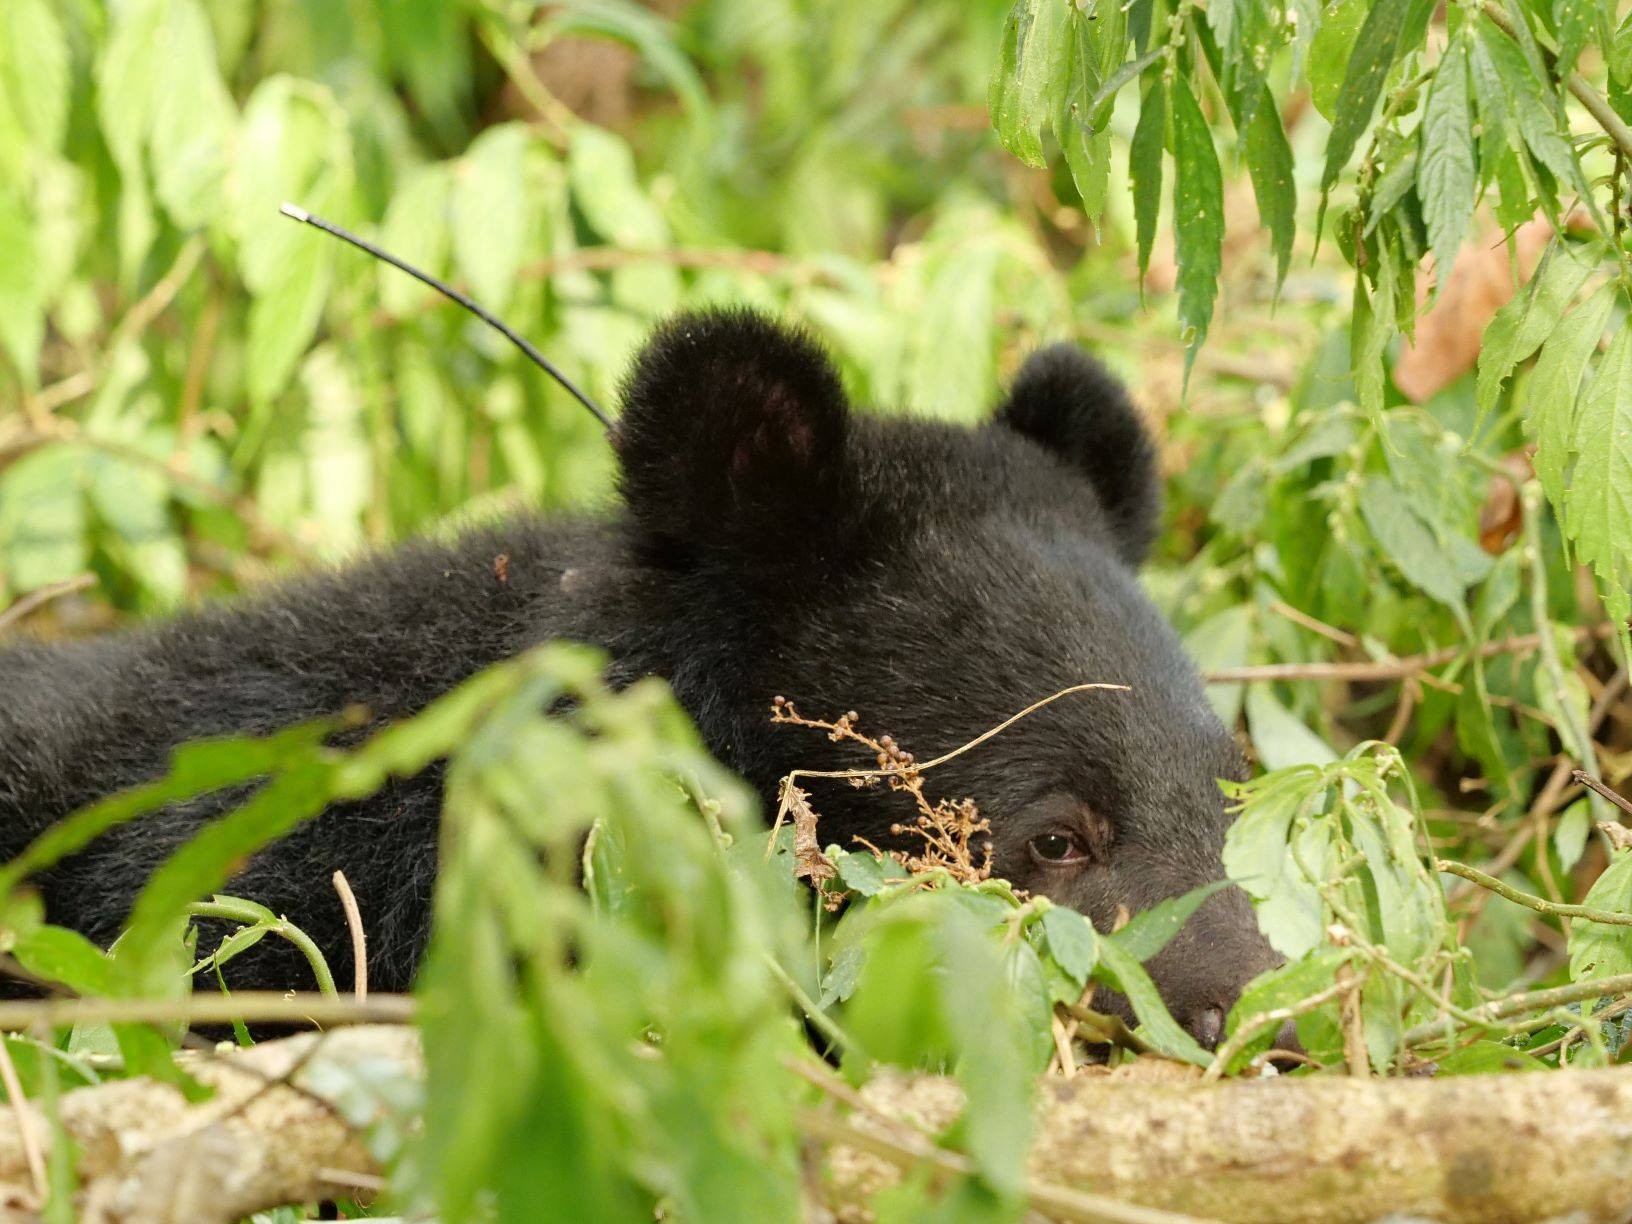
(1070, 404)
(733, 431)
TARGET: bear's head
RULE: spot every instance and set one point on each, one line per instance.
(937, 579)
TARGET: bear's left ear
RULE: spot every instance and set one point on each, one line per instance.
(1074, 407)
(733, 431)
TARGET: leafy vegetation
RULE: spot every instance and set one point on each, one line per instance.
(1368, 267)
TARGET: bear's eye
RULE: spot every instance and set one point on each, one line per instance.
(1056, 848)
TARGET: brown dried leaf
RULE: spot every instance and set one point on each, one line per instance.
(809, 863)
(1481, 283)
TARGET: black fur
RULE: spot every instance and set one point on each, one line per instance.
(934, 578)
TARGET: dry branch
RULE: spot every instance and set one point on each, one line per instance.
(1323, 1149)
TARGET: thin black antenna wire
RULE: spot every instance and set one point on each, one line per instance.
(447, 290)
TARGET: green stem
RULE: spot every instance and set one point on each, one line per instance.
(228, 910)
(823, 1023)
(1539, 904)
(1580, 738)
(1490, 1015)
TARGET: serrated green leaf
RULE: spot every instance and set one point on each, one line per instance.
(1537, 122)
(1598, 503)
(1529, 318)
(1198, 217)
(1003, 95)
(1145, 168)
(1600, 949)
(1072, 942)
(35, 69)
(1447, 168)
(1269, 161)
(1550, 394)
(1390, 27)
(1106, 93)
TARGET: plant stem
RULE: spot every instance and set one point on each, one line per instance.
(1595, 103)
(1539, 904)
(270, 1006)
(1517, 1005)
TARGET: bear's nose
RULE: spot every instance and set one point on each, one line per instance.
(1207, 1026)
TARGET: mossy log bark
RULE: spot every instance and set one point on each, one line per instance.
(1522, 1147)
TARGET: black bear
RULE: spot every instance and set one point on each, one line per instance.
(771, 542)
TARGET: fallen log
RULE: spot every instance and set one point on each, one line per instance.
(284, 1127)
(1324, 1150)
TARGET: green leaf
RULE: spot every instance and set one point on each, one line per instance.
(1198, 216)
(1257, 856)
(1406, 540)
(490, 213)
(861, 873)
(1537, 121)
(1072, 942)
(1390, 27)
(1150, 930)
(284, 316)
(1280, 738)
(1600, 949)
(1550, 394)
(1269, 161)
(1528, 319)
(60, 955)
(35, 69)
(1570, 834)
(1329, 52)
(1145, 168)
(1447, 167)
(1598, 504)
(1579, 23)
(416, 228)
(1119, 970)
(1281, 987)
(1003, 95)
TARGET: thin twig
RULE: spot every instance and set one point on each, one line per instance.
(35, 600)
(1532, 1001)
(925, 766)
(1539, 904)
(1592, 784)
(251, 1006)
(33, 1152)
(359, 938)
(1395, 669)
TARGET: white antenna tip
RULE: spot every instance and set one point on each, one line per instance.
(295, 211)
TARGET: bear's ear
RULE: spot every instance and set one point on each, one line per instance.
(733, 430)
(1068, 402)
